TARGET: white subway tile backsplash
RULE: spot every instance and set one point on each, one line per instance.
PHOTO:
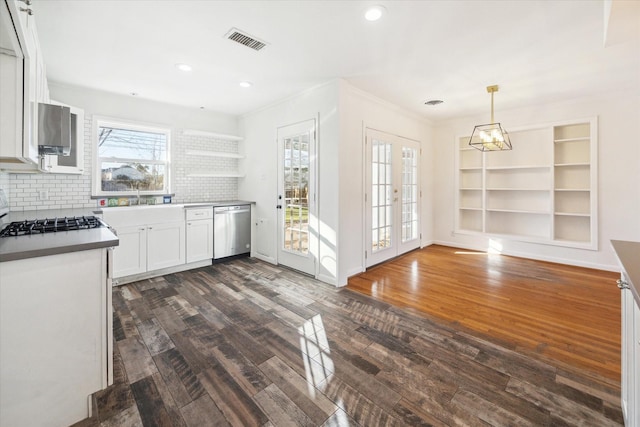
(66, 191)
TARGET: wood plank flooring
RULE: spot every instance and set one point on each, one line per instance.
(246, 343)
(558, 312)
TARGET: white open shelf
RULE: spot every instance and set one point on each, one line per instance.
(216, 174)
(193, 132)
(213, 154)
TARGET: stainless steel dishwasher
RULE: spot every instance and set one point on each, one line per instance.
(231, 230)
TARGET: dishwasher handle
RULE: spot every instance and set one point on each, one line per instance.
(226, 210)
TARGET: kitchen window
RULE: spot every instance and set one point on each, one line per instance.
(130, 158)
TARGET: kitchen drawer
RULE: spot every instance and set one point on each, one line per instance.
(200, 213)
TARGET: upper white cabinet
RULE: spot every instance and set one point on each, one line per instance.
(544, 190)
(24, 81)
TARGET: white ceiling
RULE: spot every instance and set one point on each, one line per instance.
(537, 51)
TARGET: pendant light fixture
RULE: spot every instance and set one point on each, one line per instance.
(492, 136)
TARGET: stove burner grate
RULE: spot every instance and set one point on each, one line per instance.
(41, 226)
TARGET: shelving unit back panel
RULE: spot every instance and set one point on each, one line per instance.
(537, 201)
(572, 152)
(577, 202)
(530, 148)
(471, 179)
(471, 199)
(471, 220)
(471, 159)
(572, 177)
(572, 228)
(517, 179)
(578, 130)
(519, 224)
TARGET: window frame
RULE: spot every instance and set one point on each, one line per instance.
(96, 175)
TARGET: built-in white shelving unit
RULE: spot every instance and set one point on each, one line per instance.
(543, 191)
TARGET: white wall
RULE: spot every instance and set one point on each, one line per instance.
(343, 112)
(143, 110)
(359, 110)
(618, 176)
(260, 183)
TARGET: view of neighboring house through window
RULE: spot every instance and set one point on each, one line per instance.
(131, 158)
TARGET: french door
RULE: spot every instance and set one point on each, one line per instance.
(297, 213)
(392, 204)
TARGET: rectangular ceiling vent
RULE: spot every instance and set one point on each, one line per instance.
(244, 39)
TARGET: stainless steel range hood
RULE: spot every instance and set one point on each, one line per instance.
(54, 130)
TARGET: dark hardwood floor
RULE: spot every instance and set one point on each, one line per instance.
(246, 343)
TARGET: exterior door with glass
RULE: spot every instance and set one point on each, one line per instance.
(297, 213)
(392, 198)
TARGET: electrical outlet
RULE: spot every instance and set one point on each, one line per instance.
(43, 195)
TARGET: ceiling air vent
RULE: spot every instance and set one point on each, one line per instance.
(245, 39)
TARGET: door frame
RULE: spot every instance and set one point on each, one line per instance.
(314, 199)
(366, 190)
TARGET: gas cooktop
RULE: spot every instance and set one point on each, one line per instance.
(40, 226)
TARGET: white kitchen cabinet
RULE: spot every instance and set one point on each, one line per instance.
(542, 191)
(165, 245)
(199, 234)
(24, 80)
(630, 356)
(56, 323)
(130, 257)
(628, 254)
(151, 238)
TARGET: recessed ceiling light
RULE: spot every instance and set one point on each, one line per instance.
(374, 13)
(433, 102)
(183, 67)
(246, 84)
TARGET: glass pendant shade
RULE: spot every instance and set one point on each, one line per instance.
(490, 137)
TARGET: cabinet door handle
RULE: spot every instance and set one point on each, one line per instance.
(622, 284)
(27, 10)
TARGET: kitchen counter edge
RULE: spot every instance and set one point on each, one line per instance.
(39, 245)
(628, 254)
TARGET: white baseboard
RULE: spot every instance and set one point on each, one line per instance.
(264, 258)
(155, 273)
(537, 257)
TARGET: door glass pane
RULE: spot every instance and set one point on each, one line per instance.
(409, 194)
(296, 193)
(381, 212)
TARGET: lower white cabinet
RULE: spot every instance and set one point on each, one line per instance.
(199, 234)
(165, 245)
(130, 257)
(151, 238)
(630, 357)
(55, 337)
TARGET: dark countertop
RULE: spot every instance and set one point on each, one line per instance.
(37, 245)
(629, 255)
(216, 204)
